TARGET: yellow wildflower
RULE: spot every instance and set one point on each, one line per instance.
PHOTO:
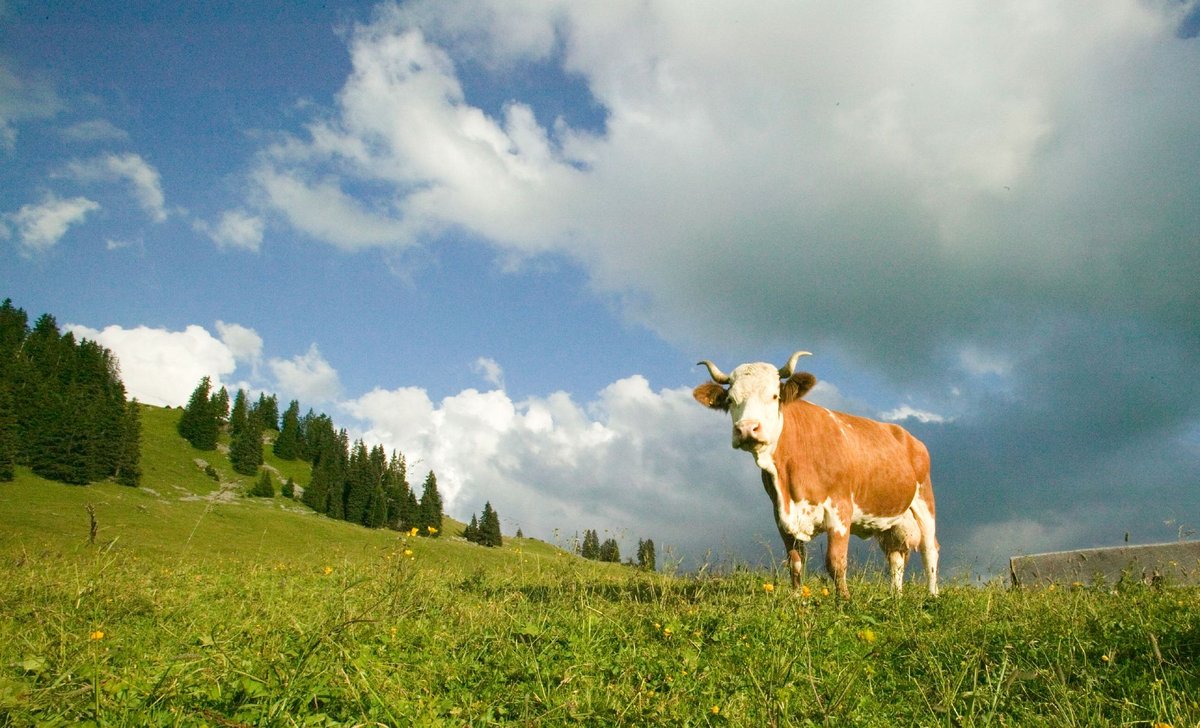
(408, 552)
(431, 530)
(805, 592)
(328, 570)
(414, 531)
(768, 587)
(716, 709)
(867, 636)
(97, 635)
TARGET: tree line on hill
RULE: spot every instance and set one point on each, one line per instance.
(349, 481)
(591, 548)
(63, 411)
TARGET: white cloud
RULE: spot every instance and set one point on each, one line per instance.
(908, 412)
(307, 377)
(144, 178)
(95, 130)
(236, 229)
(162, 367)
(40, 226)
(490, 370)
(22, 99)
(637, 462)
(244, 343)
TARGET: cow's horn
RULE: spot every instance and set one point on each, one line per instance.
(717, 375)
(789, 369)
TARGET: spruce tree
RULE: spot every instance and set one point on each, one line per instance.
(128, 470)
(245, 437)
(472, 531)
(591, 545)
(8, 432)
(289, 489)
(359, 484)
(287, 445)
(431, 508)
(263, 487)
(646, 555)
(220, 406)
(199, 423)
(489, 527)
(610, 551)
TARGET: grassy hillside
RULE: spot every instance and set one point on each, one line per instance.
(196, 609)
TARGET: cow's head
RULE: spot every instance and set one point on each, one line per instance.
(754, 395)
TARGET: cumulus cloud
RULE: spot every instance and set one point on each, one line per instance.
(636, 462)
(130, 168)
(243, 343)
(307, 377)
(162, 367)
(490, 370)
(95, 130)
(22, 99)
(235, 229)
(40, 226)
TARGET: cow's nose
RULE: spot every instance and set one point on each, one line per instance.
(749, 430)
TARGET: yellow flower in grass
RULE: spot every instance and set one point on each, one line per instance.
(328, 570)
(716, 709)
(431, 530)
(768, 587)
(867, 636)
(414, 531)
(805, 591)
(408, 552)
(97, 635)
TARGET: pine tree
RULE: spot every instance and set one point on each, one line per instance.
(395, 491)
(431, 508)
(472, 531)
(8, 432)
(489, 527)
(646, 555)
(610, 551)
(359, 484)
(199, 423)
(287, 445)
(266, 410)
(263, 487)
(289, 489)
(245, 437)
(519, 534)
(220, 406)
(128, 470)
(591, 545)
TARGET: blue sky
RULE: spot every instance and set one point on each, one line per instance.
(498, 235)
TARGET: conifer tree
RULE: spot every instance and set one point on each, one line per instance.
(431, 508)
(610, 551)
(263, 487)
(266, 409)
(220, 406)
(472, 531)
(360, 484)
(199, 423)
(287, 445)
(489, 527)
(128, 469)
(289, 489)
(645, 555)
(8, 432)
(591, 545)
(245, 437)
(395, 491)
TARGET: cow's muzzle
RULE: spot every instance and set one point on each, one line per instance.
(748, 434)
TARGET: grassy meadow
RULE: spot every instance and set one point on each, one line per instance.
(198, 607)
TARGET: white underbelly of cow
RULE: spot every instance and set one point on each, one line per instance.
(804, 520)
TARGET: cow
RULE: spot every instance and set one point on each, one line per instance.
(827, 471)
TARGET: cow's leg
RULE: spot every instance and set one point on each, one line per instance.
(795, 553)
(837, 556)
(923, 510)
(896, 563)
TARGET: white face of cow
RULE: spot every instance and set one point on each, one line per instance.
(753, 400)
(754, 397)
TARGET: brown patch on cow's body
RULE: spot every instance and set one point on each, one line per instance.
(824, 454)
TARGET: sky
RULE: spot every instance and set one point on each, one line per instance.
(497, 235)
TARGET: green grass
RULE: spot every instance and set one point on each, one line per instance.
(207, 612)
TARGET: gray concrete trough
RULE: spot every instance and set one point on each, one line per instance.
(1166, 563)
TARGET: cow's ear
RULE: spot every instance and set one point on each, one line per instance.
(712, 395)
(796, 386)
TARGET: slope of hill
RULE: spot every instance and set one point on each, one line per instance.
(197, 607)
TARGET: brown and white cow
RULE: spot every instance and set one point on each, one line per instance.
(826, 471)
